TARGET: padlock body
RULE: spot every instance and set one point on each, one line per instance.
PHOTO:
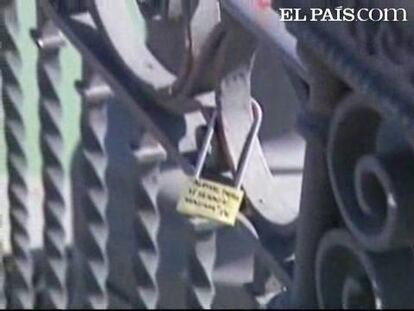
(211, 200)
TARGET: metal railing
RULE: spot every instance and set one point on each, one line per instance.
(146, 92)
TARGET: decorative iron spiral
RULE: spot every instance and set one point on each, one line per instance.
(349, 277)
(370, 159)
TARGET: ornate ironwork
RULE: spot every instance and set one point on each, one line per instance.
(49, 41)
(148, 221)
(344, 240)
(95, 94)
(20, 276)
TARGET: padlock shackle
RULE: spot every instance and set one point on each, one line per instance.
(248, 146)
(206, 144)
(243, 162)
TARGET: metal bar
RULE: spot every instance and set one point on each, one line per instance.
(265, 23)
(202, 291)
(148, 221)
(317, 212)
(49, 41)
(20, 276)
(2, 236)
(95, 94)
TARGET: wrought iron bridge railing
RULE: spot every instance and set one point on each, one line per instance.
(327, 220)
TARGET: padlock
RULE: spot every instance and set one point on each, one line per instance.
(210, 200)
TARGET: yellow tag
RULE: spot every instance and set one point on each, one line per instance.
(211, 200)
